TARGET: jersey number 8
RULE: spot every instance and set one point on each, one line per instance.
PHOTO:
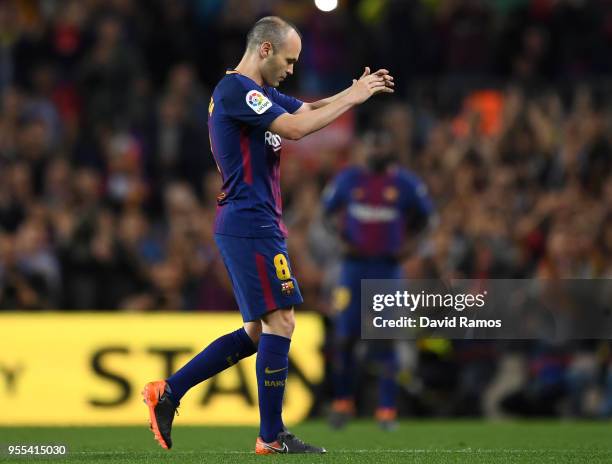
(282, 268)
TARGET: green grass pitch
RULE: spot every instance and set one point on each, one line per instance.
(361, 442)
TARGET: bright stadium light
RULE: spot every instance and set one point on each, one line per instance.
(326, 5)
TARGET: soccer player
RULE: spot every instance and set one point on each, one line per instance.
(379, 209)
(248, 117)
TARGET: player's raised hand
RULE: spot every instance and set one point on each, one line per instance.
(381, 72)
(371, 84)
(366, 71)
(388, 77)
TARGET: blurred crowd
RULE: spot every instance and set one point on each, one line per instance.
(108, 187)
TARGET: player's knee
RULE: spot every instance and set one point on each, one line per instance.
(281, 322)
(253, 330)
(288, 321)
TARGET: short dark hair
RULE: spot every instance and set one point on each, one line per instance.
(270, 29)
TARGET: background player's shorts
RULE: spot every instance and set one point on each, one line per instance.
(261, 274)
(347, 294)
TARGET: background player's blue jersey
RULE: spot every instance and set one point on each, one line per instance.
(376, 207)
(248, 156)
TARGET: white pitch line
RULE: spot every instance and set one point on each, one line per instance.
(145, 453)
(349, 451)
(473, 450)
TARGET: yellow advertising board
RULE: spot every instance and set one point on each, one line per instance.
(89, 368)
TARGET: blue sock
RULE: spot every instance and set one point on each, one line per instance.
(224, 352)
(343, 370)
(272, 365)
(387, 386)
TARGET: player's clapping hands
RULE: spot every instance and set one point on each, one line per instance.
(371, 83)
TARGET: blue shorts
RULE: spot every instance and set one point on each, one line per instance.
(347, 294)
(261, 274)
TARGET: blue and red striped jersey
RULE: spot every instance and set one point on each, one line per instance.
(247, 154)
(375, 208)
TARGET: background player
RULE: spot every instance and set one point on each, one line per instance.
(380, 208)
(247, 118)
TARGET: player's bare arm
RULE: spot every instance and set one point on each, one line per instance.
(326, 101)
(296, 126)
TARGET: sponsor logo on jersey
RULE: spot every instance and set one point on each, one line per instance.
(373, 213)
(272, 139)
(258, 102)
